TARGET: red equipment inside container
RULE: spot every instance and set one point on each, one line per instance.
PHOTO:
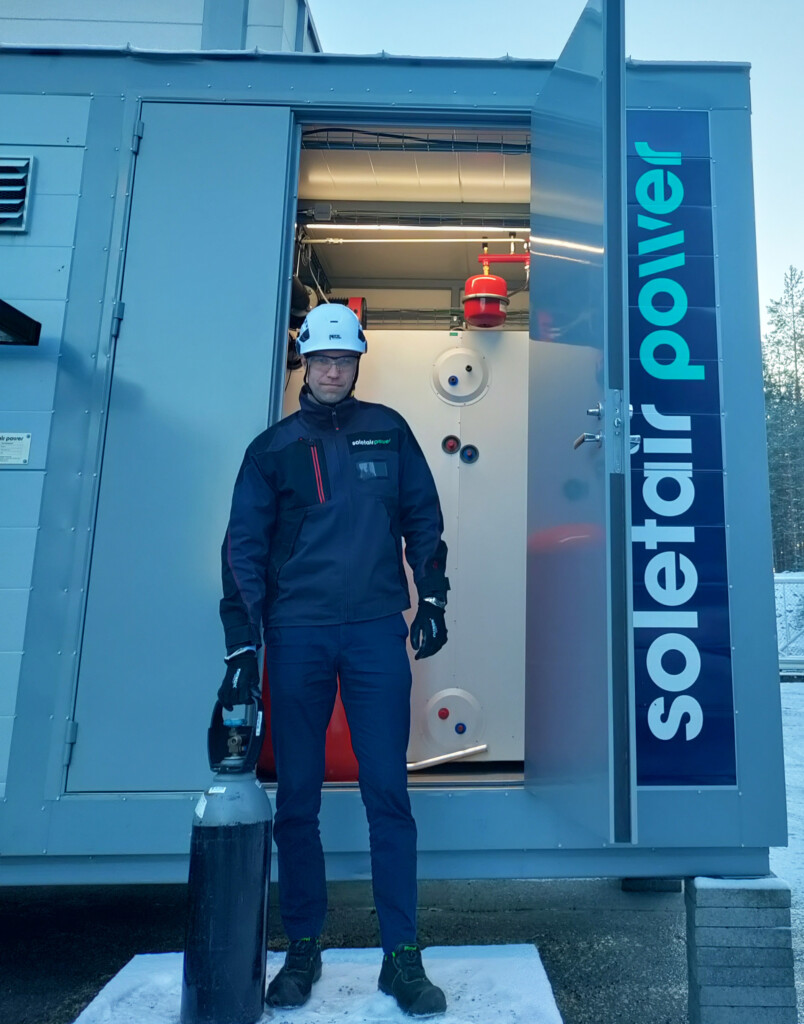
(486, 295)
(340, 763)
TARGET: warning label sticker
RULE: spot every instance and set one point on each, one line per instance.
(15, 449)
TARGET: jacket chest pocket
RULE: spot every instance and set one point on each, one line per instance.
(372, 469)
(305, 479)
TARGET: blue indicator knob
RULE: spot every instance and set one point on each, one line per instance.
(453, 380)
(460, 728)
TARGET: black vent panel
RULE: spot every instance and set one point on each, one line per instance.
(15, 188)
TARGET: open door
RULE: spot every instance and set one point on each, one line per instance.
(578, 733)
(198, 365)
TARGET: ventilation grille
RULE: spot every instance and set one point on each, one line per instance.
(15, 180)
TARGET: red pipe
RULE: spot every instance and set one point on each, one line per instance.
(504, 258)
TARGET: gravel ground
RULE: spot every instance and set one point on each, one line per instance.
(612, 957)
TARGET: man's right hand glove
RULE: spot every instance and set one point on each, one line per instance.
(242, 679)
(428, 631)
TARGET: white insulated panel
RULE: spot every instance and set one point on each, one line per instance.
(144, 34)
(20, 498)
(103, 11)
(57, 169)
(28, 378)
(6, 728)
(36, 271)
(10, 662)
(265, 37)
(13, 612)
(50, 221)
(17, 545)
(266, 13)
(42, 120)
(479, 677)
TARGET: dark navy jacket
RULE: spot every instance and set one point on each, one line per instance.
(320, 506)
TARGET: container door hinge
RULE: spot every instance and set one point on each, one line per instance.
(117, 315)
(135, 138)
(70, 735)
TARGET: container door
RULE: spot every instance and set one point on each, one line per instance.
(197, 374)
(578, 735)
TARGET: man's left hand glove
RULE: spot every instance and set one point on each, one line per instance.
(242, 679)
(428, 631)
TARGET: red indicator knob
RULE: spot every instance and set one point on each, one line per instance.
(443, 713)
(451, 444)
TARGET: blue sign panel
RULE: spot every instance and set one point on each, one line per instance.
(682, 644)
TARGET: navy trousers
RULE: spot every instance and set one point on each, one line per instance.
(304, 663)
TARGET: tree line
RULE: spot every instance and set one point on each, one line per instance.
(783, 373)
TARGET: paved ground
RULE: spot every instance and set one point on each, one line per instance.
(612, 957)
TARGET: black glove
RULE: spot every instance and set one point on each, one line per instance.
(242, 680)
(428, 631)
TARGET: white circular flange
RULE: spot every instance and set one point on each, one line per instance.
(464, 709)
(460, 376)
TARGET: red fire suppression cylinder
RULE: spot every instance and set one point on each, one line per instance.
(484, 300)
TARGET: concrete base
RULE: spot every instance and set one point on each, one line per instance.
(651, 884)
(740, 951)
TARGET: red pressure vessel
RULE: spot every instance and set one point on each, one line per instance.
(484, 300)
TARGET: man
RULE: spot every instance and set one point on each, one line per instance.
(313, 552)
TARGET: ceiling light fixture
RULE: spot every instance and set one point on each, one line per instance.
(479, 229)
(476, 228)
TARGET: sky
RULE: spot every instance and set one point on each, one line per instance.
(769, 36)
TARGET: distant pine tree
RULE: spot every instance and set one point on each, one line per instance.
(783, 371)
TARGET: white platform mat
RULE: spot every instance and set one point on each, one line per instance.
(482, 984)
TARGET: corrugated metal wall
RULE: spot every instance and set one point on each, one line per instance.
(34, 275)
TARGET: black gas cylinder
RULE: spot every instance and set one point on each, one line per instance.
(230, 861)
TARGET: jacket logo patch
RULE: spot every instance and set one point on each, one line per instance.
(370, 441)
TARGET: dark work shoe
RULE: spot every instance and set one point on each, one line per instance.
(402, 976)
(293, 982)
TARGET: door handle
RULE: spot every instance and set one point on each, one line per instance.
(587, 439)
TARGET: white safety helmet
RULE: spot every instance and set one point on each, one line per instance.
(330, 326)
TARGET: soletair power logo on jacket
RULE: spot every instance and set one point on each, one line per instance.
(374, 441)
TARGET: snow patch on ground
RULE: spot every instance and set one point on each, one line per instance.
(478, 981)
